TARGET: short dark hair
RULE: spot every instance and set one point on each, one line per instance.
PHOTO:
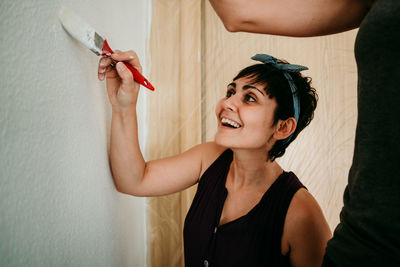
(277, 87)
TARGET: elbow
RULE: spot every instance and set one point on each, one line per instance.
(241, 24)
(129, 191)
(236, 20)
(121, 189)
(237, 15)
(126, 189)
(127, 182)
(231, 26)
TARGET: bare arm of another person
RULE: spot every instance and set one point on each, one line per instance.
(132, 175)
(298, 18)
(306, 231)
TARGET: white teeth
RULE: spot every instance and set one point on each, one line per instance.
(230, 122)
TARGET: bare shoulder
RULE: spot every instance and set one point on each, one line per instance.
(303, 206)
(210, 151)
(306, 231)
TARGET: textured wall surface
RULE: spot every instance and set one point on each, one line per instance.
(58, 204)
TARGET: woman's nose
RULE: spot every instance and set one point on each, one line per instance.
(231, 103)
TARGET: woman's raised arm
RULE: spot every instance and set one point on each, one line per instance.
(132, 175)
(299, 18)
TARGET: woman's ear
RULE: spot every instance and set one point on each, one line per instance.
(285, 128)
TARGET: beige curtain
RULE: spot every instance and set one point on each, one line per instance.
(193, 58)
(174, 116)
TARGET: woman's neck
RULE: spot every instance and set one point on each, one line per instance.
(251, 168)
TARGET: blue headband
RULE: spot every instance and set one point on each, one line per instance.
(285, 68)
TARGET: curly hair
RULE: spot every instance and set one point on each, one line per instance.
(277, 87)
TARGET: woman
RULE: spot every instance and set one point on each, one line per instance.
(247, 211)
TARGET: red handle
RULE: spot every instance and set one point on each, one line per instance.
(136, 74)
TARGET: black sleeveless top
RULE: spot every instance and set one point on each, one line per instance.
(251, 240)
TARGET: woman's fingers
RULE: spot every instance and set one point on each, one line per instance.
(128, 90)
(104, 66)
(121, 88)
(128, 56)
(125, 74)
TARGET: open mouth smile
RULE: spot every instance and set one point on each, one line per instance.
(230, 123)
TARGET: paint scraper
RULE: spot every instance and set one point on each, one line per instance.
(89, 37)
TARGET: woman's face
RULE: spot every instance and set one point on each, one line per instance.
(245, 116)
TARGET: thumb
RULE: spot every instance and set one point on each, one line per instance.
(126, 76)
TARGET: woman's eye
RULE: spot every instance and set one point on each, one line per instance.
(249, 98)
(230, 93)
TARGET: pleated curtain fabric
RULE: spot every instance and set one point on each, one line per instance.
(174, 116)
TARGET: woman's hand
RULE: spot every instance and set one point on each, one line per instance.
(121, 87)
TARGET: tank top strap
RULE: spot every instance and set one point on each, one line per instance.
(219, 168)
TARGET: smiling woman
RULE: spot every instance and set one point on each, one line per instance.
(247, 210)
(245, 116)
(260, 80)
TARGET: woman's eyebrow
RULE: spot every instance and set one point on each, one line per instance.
(232, 84)
(246, 87)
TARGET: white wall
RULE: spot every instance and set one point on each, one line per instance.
(58, 204)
